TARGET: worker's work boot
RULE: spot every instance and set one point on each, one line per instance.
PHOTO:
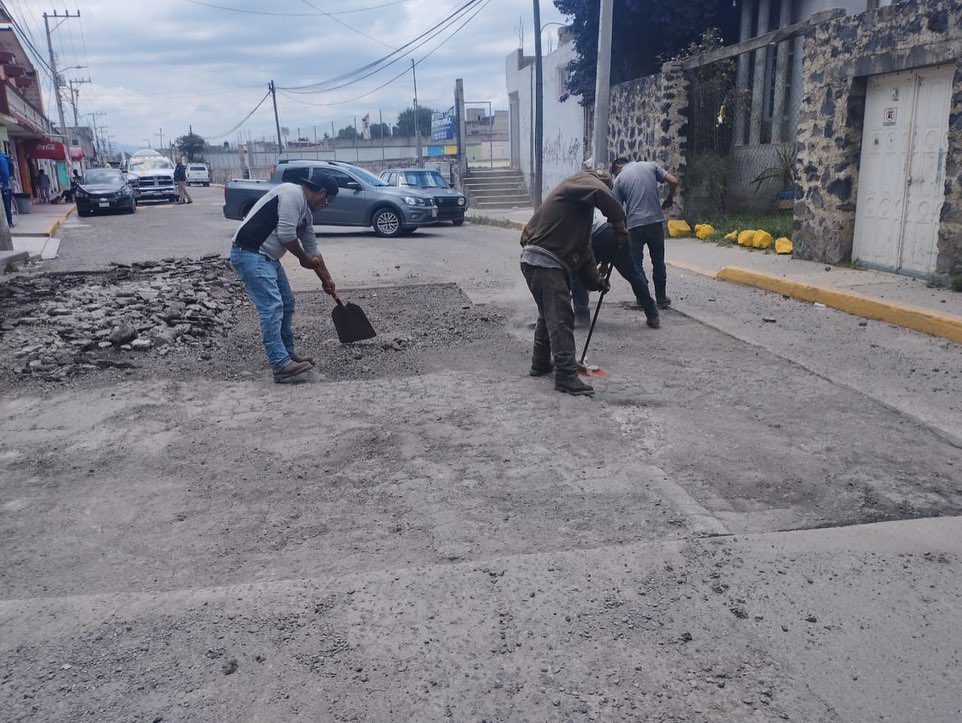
(573, 385)
(539, 368)
(298, 358)
(289, 372)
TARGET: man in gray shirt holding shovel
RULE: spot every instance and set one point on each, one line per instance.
(282, 220)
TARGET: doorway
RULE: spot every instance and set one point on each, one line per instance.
(902, 173)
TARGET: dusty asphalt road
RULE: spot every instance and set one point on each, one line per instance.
(751, 520)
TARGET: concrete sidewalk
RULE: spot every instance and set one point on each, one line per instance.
(892, 298)
(34, 234)
(43, 220)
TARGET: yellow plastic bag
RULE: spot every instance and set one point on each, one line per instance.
(745, 238)
(733, 236)
(678, 227)
(761, 240)
(704, 230)
(783, 245)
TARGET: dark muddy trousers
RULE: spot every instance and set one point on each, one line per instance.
(652, 235)
(605, 247)
(554, 334)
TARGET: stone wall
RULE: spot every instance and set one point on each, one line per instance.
(647, 119)
(839, 57)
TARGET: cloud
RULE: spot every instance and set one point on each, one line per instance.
(175, 63)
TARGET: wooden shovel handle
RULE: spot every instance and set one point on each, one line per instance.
(334, 295)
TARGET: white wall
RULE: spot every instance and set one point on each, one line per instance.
(563, 148)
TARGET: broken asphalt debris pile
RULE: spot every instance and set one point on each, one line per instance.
(57, 325)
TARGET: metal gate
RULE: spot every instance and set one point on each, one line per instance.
(902, 171)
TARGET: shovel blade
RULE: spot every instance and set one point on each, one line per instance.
(351, 323)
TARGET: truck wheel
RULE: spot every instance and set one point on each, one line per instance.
(387, 222)
(458, 222)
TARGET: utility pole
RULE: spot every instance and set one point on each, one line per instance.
(97, 145)
(538, 106)
(417, 130)
(75, 97)
(277, 121)
(160, 134)
(602, 85)
(380, 127)
(57, 82)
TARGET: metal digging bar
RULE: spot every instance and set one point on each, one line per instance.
(582, 369)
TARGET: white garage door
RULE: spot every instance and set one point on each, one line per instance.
(902, 172)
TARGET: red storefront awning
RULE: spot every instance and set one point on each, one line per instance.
(76, 153)
(51, 150)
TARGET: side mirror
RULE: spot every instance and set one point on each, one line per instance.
(353, 185)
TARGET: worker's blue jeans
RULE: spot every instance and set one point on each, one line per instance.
(271, 293)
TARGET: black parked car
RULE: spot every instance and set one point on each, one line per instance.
(451, 204)
(104, 189)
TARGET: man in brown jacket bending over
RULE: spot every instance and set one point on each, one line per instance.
(557, 242)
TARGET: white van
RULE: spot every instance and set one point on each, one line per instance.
(198, 173)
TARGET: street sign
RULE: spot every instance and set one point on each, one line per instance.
(442, 125)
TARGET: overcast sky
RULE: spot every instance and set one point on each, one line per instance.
(166, 64)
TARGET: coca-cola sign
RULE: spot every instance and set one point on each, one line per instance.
(52, 150)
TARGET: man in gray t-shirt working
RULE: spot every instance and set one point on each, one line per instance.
(636, 186)
(281, 221)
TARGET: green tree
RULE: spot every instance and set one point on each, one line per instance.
(347, 133)
(379, 130)
(405, 121)
(192, 146)
(644, 34)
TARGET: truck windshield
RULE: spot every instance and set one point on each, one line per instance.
(151, 164)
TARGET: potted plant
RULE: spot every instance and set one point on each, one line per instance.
(782, 173)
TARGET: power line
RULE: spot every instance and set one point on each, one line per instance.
(246, 118)
(483, 4)
(295, 15)
(385, 61)
(343, 24)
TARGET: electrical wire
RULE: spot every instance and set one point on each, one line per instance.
(296, 15)
(404, 72)
(386, 61)
(345, 25)
(246, 118)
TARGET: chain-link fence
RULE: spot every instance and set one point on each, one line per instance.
(742, 115)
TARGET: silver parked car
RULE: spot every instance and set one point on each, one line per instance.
(451, 204)
(363, 199)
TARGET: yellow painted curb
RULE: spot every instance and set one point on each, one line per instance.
(52, 228)
(946, 326)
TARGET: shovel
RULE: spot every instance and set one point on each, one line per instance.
(350, 322)
(582, 369)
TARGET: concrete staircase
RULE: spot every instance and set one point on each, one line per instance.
(495, 189)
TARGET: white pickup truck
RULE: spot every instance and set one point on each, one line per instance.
(153, 175)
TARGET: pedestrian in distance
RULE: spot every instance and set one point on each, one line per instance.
(43, 183)
(6, 188)
(636, 186)
(281, 221)
(180, 178)
(604, 244)
(555, 246)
